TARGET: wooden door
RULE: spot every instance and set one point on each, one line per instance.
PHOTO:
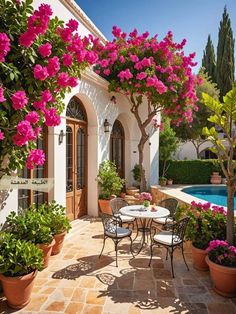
(117, 151)
(76, 169)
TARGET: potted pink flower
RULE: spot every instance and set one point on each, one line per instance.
(222, 263)
(146, 197)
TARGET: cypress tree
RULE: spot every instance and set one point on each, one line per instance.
(225, 56)
(208, 60)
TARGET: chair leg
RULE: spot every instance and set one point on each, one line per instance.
(137, 229)
(116, 249)
(171, 260)
(167, 251)
(151, 252)
(131, 246)
(182, 249)
(104, 240)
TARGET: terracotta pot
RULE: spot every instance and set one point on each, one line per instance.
(47, 251)
(199, 257)
(215, 178)
(169, 182)
(18, 290)
(59, 239)
(224, 279)
(104, 206)
(122, 194)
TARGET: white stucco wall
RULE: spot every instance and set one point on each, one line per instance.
(92, 91)
(187, 150)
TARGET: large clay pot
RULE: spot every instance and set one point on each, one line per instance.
(104, 206)
(224, 279)
(59, 239)
(199, 257)
(18, 290)
(215, 178)
(47, 251)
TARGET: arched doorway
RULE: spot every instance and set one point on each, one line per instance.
(117, 147)
(76, 159)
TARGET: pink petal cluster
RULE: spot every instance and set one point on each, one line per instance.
(67, 59)
(2, 98)
(157, 84)
(19, 100)
(24, 133)
(40, 72)
(32, 117)
(125, 75)
(145, 196)
(1, 135)
(37, 25)
(216, 243)
(5, 46)
(53, 66)
(36, 157)
(51, 117)
(45, 50)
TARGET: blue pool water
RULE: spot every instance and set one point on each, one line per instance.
(212, 194)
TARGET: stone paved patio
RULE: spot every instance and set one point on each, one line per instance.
(76, 281)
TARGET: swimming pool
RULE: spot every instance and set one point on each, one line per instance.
(212, 194)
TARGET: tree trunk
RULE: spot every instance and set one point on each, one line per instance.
(230, 213)
(198, 152)
(143, 182)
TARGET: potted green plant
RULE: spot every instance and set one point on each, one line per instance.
(110, 184)
(162, 181)
(222, 263)
(32, 226)
(205, 224)
(58, 222)
(137, 174)
(19, 262)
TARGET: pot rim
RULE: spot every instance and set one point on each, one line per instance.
(217, 266)
(197, 249)
(22, 277)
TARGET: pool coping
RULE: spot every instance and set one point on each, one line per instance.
(175, 191)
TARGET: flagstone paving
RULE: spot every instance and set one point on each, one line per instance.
(77, 281)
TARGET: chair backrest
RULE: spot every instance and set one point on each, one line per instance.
(116, 204)
(179, 229)
(110, 223)
(171, 204)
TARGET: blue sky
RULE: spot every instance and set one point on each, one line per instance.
(190, 19)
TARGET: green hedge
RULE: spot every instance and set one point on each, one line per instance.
(191, 171)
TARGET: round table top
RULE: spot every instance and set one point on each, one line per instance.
(139, 211)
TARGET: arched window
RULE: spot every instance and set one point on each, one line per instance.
(75, 110)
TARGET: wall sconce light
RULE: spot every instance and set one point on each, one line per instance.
(60, 137)
(113, 99)
(106, 125)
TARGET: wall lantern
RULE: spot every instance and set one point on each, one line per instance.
(60, 137)
(106, 125)
(113, 99)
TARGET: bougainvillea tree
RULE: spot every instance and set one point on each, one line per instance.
(151, 72)
(40, 60)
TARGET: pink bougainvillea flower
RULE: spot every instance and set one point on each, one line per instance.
(51, 117)
(125, 75)
(116, 31)
(36, 157)
(1, 135)
(27, 38)
(67, 59)
(107, 71)
(32, 117)
(4, 46)
(19, 100)
(41, 105)
(134, 58)
(53, 66)
(37, 131)
(19, 140)
(25, 129)
(72, 82)
(91, 57)
(73, 25)
(2, 98)
(40, 72)
(46, 96)
(45, 50)
(141, 75)
(63, 79)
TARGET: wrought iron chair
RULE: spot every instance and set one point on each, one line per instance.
(113, 230)
(171, 239)
(171, 204)
(116, 204)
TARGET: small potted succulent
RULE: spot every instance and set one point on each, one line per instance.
(19, 262)
(206, 223)
(110, 184)
(32, 226)
(58, 222)
(222, 263)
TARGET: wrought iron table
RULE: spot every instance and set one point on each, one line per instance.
(145, 216)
